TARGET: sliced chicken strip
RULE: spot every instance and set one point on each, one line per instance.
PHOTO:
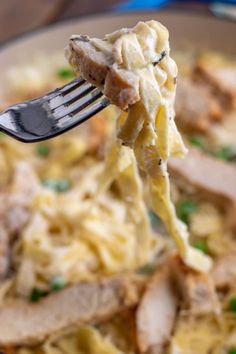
(224, 271)
(196, 107)
(4, 253)
(215, 179)
(14, 209)
(221, 79)
(27, 323)
(16, 198)
(196, 289)
(156, 312)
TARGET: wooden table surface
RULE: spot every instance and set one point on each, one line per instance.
(19, 16)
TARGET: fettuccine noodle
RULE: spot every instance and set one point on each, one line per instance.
(149, 128)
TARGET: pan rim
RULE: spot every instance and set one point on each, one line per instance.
(93, 16)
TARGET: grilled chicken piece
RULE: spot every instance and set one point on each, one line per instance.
(221, 79)
(224, 134)
(196, 108)
(14, 209)
(224, 271)
(4, 253)
(156, 312)
(16, 198)
(196, 289)
(27, 323)
(98, 66)
(214, 178)
(7, 350)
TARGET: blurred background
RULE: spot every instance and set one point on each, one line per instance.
(19, 16)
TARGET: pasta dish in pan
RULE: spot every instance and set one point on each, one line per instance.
(86, 261)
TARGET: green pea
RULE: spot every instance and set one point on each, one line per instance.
(197, 142)
(58, 185)
(49, 183)
(232, 351)
(37, 294)
(185, 209)
(202, 246)
(58, 283)
(232, 304)
(225, 153)
(42, 150)
(65, 73)
(63, 185)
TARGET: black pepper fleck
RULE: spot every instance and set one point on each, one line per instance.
(124, 143)
(91, 77)
(82, 38)
(163, 54)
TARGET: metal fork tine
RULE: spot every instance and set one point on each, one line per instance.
(55, 113)
(78, 105)
(66, 89)
(71, 86)
(93, 109)
(68, 122)
(77, 94)
(91, 98)
(71, 97)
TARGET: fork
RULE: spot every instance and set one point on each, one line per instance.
(53, 114)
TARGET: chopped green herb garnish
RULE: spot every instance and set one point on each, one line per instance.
(147, 269)
(2, 135)
(225, 153)
(59, 185)
(232, 304)
(65, 73)
(42, 150)
(202, 246)
(154, 219)
(58, 283)
(198, 142)
(37, 294)
(185, 209)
